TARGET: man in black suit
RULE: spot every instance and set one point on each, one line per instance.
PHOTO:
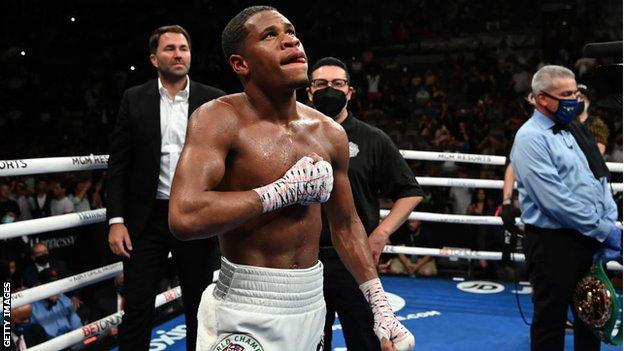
(41, 260)
(40, 201)
(145, 146)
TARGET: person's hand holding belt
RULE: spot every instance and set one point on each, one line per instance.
(612, 246)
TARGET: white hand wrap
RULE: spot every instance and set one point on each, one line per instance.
(386, 324)
(304, 183)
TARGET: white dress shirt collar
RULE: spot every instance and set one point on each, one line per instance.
(182, 94)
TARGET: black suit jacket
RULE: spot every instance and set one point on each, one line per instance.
(33, 336)
(30, 274)
(38, 212)
(134, 161)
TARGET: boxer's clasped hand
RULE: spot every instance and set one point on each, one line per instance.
(386, 325)
(305, 183)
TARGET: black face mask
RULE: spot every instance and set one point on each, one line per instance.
(42, 260)
(329, 101)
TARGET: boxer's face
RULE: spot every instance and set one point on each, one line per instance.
(272, 52)
(173, 55)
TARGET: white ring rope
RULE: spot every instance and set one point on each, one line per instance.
(454, 157)
(100, 326)
(47, 224)
(461, 182)
(94, 162)
(459, 219)
(40, 225)
(466, 253)
(479, 183)
(10, 168)
(476, 158)
(66, 284)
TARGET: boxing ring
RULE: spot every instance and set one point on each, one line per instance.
(443, 314)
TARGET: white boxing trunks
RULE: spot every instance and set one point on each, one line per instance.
(262, 309)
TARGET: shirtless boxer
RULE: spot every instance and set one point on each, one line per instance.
(254, 169)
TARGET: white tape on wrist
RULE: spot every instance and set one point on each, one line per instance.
(386, 324)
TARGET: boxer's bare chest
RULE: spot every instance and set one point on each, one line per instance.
(263, 151)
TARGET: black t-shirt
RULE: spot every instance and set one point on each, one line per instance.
(376, 170)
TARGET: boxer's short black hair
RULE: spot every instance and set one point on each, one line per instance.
(155, 37)
(330, 61)
(235, 31)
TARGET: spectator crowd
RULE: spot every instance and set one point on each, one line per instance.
(447, 76)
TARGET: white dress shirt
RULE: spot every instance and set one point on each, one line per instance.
(173, 121)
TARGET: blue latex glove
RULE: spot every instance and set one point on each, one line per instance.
(614, 240)
(607, 254)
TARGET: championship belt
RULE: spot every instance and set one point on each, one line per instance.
(597, 304)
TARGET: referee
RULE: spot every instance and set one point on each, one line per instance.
(376, 170)
(569, 214)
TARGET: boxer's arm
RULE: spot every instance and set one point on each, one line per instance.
(196, 210)
(349, 239)
(347, 232)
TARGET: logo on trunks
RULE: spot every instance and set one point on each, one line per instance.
(238, 342)
(354, 149)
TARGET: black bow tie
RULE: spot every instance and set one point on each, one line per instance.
(559, 127)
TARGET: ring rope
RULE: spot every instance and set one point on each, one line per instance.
(478, 183)
(70, 220)
(94, 162)
(475, 158)
(47, 224)
(73, 282)
(100, 326)
(466, 253)
(455, 157)
(10, 168)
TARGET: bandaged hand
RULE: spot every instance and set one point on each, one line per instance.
(305, 183)
(386, 325)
